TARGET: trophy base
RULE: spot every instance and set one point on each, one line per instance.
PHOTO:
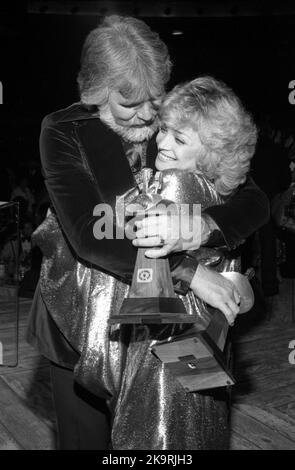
(145, 310)
(195, 361)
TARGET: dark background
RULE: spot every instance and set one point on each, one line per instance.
(40, 54)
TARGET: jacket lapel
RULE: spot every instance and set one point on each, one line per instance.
(106, 159)
(151, 153)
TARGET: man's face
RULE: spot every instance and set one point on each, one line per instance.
(134, 121)
(129, 113)
(178, 148)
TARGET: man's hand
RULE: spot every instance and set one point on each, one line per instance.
(168, 233)
(216, 291)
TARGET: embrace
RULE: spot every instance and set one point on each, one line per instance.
(109, 391)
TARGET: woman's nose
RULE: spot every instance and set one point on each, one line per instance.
(163, 140)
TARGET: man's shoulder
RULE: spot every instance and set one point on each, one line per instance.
(72, 113)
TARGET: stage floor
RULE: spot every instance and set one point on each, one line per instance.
(263, 412)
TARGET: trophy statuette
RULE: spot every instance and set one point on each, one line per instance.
(151, 298)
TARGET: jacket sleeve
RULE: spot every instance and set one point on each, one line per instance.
(74, 196)
(242, 214)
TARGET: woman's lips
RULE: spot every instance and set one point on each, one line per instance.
(164, 157)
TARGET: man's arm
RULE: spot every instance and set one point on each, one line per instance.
(241, 215)
(74, 195)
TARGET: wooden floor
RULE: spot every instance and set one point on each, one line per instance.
(263, 412)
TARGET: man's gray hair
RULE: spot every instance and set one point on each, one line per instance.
(124, 55)
(226, 130)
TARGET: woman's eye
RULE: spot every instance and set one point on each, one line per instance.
(129, 106)
(179, 141)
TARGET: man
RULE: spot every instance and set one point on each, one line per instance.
(91, 152)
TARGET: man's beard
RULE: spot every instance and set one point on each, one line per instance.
(131, 134)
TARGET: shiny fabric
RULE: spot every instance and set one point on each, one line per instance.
(116, 362)
(80, 300)
(153, 411)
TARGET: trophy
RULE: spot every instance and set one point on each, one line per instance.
(196, 357)
(151, 298)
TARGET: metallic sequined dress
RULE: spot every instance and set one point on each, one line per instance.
(150, 408)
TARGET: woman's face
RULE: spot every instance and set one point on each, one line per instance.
(178, 148)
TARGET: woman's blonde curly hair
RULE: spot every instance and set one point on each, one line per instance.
(226, 130)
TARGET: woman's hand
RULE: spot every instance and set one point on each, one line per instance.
(217, 291)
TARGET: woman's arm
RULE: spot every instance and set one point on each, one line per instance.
(226, 225)
(74, 196)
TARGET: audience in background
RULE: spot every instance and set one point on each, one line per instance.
(270, 170)
(272, 249)
(23, 185)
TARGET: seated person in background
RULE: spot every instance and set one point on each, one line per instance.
(23, 191)
(24, 251)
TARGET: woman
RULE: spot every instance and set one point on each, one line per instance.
(204, 130)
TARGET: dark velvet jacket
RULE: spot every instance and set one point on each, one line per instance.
(84, 164)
